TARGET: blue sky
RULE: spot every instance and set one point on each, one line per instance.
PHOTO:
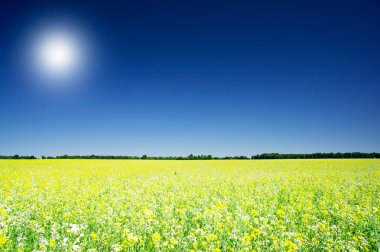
(201, 77)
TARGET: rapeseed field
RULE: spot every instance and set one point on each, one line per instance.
(219, 205)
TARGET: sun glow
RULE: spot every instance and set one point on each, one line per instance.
(58, 54)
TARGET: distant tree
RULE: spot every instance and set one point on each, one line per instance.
(210, 157)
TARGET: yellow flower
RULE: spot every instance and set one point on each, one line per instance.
(3, 240)
(218, 205)
(52, 242)
(246, 240)
(212, 237)
(94, 236)
(280, 212)
(355, 239)
(156, 237)
(290, 245)
(3, 212)
(256, 231)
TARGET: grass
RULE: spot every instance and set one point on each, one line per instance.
(137, 205)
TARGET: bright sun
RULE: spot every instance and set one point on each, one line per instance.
(57, 53)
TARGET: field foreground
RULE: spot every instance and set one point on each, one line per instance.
(136, 205)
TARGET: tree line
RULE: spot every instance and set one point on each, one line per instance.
(17, 157)
(190, 157)
(210, 157)
(317, 155)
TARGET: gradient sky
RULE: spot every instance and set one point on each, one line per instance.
(201, 77)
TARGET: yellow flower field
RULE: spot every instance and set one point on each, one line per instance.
(219, 205)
